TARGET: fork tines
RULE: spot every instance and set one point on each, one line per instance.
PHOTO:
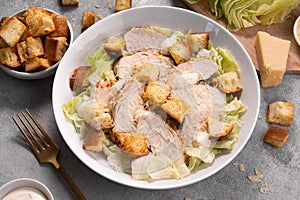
(36, 136)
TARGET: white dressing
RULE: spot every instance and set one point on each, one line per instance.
(25, 193)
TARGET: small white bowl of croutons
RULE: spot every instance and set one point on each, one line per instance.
(33, 41)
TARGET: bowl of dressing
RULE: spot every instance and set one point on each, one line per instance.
(296, 30)
(25, 188)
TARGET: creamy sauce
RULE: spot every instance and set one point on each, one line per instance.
(25, 193)
(298, 30)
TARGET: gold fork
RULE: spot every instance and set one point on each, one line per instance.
(43, 147)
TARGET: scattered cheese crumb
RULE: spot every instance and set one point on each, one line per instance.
(264, 188)
(242, 167)
(257, 177)
(109, 4)
(99, 17)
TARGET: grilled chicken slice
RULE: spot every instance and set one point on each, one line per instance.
(205, 68)
(127, 64)
(126, 102)
(102, 92)
(199, 104)
(95, 141)
(143, 39)
(161, 137)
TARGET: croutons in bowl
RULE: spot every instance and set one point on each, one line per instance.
(33, 41)
(144, 103)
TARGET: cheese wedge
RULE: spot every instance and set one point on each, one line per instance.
(272, 54)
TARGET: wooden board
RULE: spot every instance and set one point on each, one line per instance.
(247, 36)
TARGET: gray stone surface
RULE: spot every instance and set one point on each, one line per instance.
(281, 167)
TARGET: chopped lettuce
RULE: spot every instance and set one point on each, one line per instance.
(223, 58)
(102, 66)
(71, 112)
(232, 113)
(158, 167)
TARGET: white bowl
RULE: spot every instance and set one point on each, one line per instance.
(40, 74)
(178, 19)
(296, 30)
(25, 182)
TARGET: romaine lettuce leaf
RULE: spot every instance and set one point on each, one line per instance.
(101, 64)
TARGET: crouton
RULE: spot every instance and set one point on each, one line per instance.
(3, 44)
(147, 72)
(95, 141)
(22, 51)
(78, 79)
(174, 108)
(3, 20)
(115, 46)
(228, 82)
(55, 47)
(88, 19)
(180, 52)
(39, 21)
(132, 143)
(276, 136)
(217, 129)
(122, 5)
(35, 47)
(12, 31)
(197, 41)
(9, 57)
(69, 2)
(61, 26)
(281, 113)
(36, 64)
(32, 47)
(156, 93)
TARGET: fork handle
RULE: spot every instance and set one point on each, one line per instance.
(76, 191)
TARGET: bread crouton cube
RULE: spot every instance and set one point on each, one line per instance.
(3, 20)
(122, 5)
(156, 93)
(276, 136)
(115, 46)
(281, 113)
(9, 57)
(35, 47)
(174, 108)
(88, 19)
(78, 79)
(217, 129)
(61, 26)
(228, 82)
(180, 52)
(12, 31)
(197, 41)
(55, 47)
(147, 72)
(132, 143)
(32, 47)
(69, 2)
(3, 44)
(36, 64)
(40, 22)
(22, 51)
